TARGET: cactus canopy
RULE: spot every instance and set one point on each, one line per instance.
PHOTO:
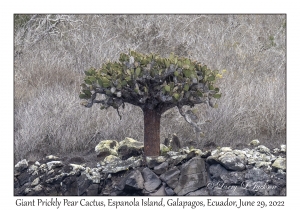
(150, 82)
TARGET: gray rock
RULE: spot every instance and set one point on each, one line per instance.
(35, 182)
(23, 178)
(175, 160)
(152, 182)
(233, 178)
(193, 176)
(169, 191)
(69, 186)
(134, 181)
(216, 171)
(93, 190)
(263, 149)
(93, 174)
(161, 168)
(201, 192)
(107, 147)
(261, 188)
(160, 192)
(254, 142)
(171, 177)
(21, 165)
(83, 183)
(280, 163)
(122, 165)
(211, 160)
(129, 148)
(193, 153)
(172, 153)
(279, 178)
(232, 161)
(261, 164)
(257, 174)
(111, 158)
(155, 161)
(283, 148)
(54, 164)
(205, 154)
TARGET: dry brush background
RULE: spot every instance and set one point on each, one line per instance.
(51, 53)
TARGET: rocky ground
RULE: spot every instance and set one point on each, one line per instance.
(121, 169)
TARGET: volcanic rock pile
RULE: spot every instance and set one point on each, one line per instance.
(122, 169)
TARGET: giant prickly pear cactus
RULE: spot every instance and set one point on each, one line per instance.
(154, 84)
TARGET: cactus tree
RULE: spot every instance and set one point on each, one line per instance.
(154, 84)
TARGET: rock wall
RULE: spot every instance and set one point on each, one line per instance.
(123, 170)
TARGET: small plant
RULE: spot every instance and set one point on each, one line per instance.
(154, 84)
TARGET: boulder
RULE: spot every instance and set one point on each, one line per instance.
(232, 162)
(152, 182)
(83, 184)
(129, 148)
(171, 177)
(193, 176)
(254, 142)
(21, 166)
(54, 164)
(279, 163)
(216, 171)
(161, 168)
(107, 147)
(134, 181)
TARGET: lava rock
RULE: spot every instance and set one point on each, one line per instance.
(232, 162)
(171, 177)
(280, 163)
(129, 148)
(152, 182)
(193, 176)
(107, 147)
(161, 168)
(233, 178)
(216, 170)
(134, 181)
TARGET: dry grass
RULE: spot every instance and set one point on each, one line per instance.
(50, 60)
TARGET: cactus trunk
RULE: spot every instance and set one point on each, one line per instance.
(151, 132)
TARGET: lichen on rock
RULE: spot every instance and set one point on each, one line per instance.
(107, 147)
